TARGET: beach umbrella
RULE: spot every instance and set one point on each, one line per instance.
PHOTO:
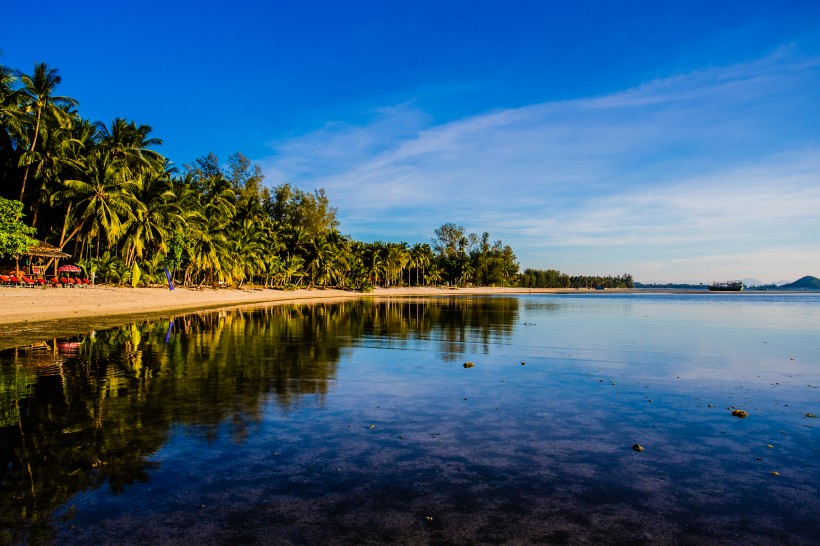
(69, 268)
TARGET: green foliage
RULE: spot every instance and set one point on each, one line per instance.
(15, 236)
(551, 278)
(464, 259)
(309, 212)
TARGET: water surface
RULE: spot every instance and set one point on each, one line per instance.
(357, 422)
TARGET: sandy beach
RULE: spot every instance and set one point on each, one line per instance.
(34, 313)
(25, 305)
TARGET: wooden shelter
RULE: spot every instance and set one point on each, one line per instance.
(42, 249)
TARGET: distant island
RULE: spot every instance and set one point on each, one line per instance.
(805, 283)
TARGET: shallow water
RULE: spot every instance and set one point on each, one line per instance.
(357, 422)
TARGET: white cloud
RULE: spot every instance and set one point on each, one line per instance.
(716, 163)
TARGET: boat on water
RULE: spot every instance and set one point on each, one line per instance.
(728, 286)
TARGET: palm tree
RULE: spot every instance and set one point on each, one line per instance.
(157, 219)
(37, 98)
(374, 261)
(208, 238)
(130, 142)
(395, 260)
(422, 256)
(248, 246)
(105, 202)
(58, 157)
(12, 120)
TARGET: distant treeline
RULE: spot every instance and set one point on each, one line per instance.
(551, 278)
(672, 286)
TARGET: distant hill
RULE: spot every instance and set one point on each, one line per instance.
(806, 283)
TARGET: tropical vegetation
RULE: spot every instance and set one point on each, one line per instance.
(551, 278)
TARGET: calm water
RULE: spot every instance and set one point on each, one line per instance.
(359, 423)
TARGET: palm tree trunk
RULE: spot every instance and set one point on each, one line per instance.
(31, 149)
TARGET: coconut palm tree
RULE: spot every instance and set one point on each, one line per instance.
(12, 122)
(157, 219)
(422, 256)
(36, 98)
(103, 203)
(57, 157)
(131, 143)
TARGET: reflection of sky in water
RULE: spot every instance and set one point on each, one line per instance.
(409, 446)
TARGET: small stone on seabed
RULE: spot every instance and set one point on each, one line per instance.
(811, 416)
(637, 447)
(775, 473)
(740, 413)
(469, 364)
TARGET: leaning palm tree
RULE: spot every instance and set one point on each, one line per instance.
(37, 97)
(57, 158)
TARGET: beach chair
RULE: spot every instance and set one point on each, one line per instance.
(55, 282)
(27, 281)
(16, 281)
(86, 282)
(40, 282)
(6, 280)
(66, 282)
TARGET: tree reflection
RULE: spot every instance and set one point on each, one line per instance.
(78, 414)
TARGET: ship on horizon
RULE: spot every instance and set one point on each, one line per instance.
(728, 286)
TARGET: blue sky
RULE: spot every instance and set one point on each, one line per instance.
(674, 142)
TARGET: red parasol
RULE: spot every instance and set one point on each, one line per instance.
(71, 268)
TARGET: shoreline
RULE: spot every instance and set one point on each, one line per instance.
(34, 314)
(32, 305)
(31, 315)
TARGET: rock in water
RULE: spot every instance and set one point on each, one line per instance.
(469, 364)
(740, 413)
(637, 447)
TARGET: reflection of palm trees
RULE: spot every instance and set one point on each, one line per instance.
(122, 390)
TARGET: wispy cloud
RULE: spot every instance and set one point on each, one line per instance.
(657, 180)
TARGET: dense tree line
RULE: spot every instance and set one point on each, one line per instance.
(551, 278)
(103, 193)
